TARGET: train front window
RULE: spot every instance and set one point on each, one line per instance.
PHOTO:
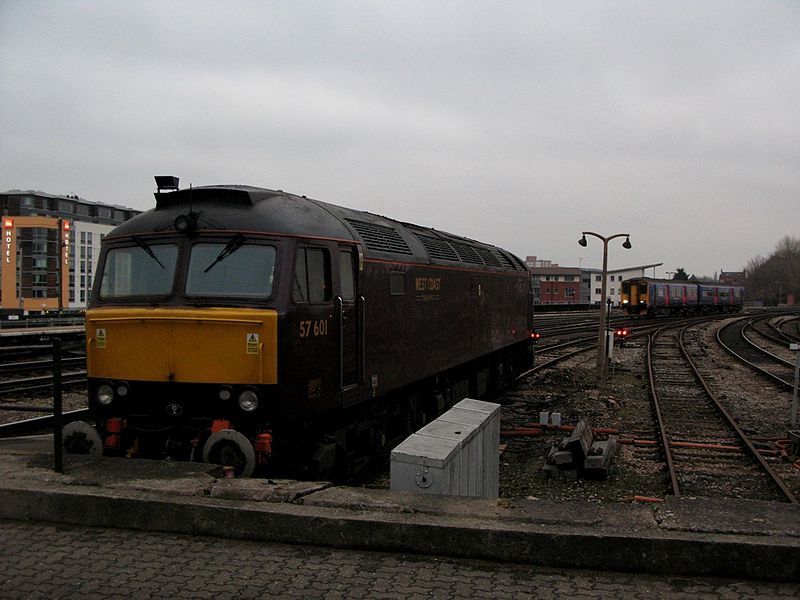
(232, 269)
(141, 270)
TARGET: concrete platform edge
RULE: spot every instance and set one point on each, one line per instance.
(650, 549)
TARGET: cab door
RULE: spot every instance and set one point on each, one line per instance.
(310, 371)
(349, 317)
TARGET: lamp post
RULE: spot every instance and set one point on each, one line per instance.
(602, 362)
(796, 348)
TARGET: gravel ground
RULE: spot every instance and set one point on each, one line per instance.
(69, 401)
(622, 401)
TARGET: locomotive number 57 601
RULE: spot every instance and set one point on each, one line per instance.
(313, 328)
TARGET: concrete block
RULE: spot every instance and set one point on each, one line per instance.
(457, 454)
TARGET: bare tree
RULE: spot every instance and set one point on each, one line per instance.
(771, 279)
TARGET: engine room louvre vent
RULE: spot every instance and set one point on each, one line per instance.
(489, 257)
(507, 262)
(437, 248)
(380, 238)
(467, 253)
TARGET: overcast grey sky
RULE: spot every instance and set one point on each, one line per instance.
(516, 123)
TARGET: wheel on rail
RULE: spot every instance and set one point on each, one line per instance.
(231, 449)
(81, 438)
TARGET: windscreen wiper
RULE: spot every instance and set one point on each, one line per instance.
(143, 245)
(231, 247)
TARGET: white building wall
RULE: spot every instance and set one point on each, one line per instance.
(86, 240)
(614, 281)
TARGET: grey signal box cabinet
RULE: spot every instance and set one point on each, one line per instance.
(457, 454)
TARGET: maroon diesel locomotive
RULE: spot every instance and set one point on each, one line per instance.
(266, 330)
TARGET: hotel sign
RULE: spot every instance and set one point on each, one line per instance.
(66, 242)
(8, 239)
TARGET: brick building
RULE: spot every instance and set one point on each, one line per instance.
(554, 284)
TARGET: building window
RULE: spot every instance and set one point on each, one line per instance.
(598, 278)
(598, 291)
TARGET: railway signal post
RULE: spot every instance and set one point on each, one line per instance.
(796, 348)
(602, 362)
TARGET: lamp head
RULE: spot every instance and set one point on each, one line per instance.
(627, 243)
(582, 241)
(186, 223)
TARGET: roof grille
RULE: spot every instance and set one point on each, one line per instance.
(507, 261)
(438, 248)
(488, 256)
(380, 238)
(467, 253)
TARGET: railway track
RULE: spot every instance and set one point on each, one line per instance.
(787, 327)
(550, 354)
(738, 339)
(706, 452)
(28, 378)
(769, 334)
(26, 386)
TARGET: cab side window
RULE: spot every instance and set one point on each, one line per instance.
(312, 276)
(347, 275)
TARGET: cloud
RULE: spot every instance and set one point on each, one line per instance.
(519, 123)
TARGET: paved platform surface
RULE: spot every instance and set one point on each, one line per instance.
(691, 537)
(49, 561)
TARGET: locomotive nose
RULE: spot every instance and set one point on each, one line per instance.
(181, 345)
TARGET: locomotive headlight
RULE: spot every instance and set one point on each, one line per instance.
(625, 301)
(248, 401)
(104, 394)
(122, 389)
(224, 393)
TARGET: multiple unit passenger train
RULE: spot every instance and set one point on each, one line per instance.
(646, 297)
(260, 329)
